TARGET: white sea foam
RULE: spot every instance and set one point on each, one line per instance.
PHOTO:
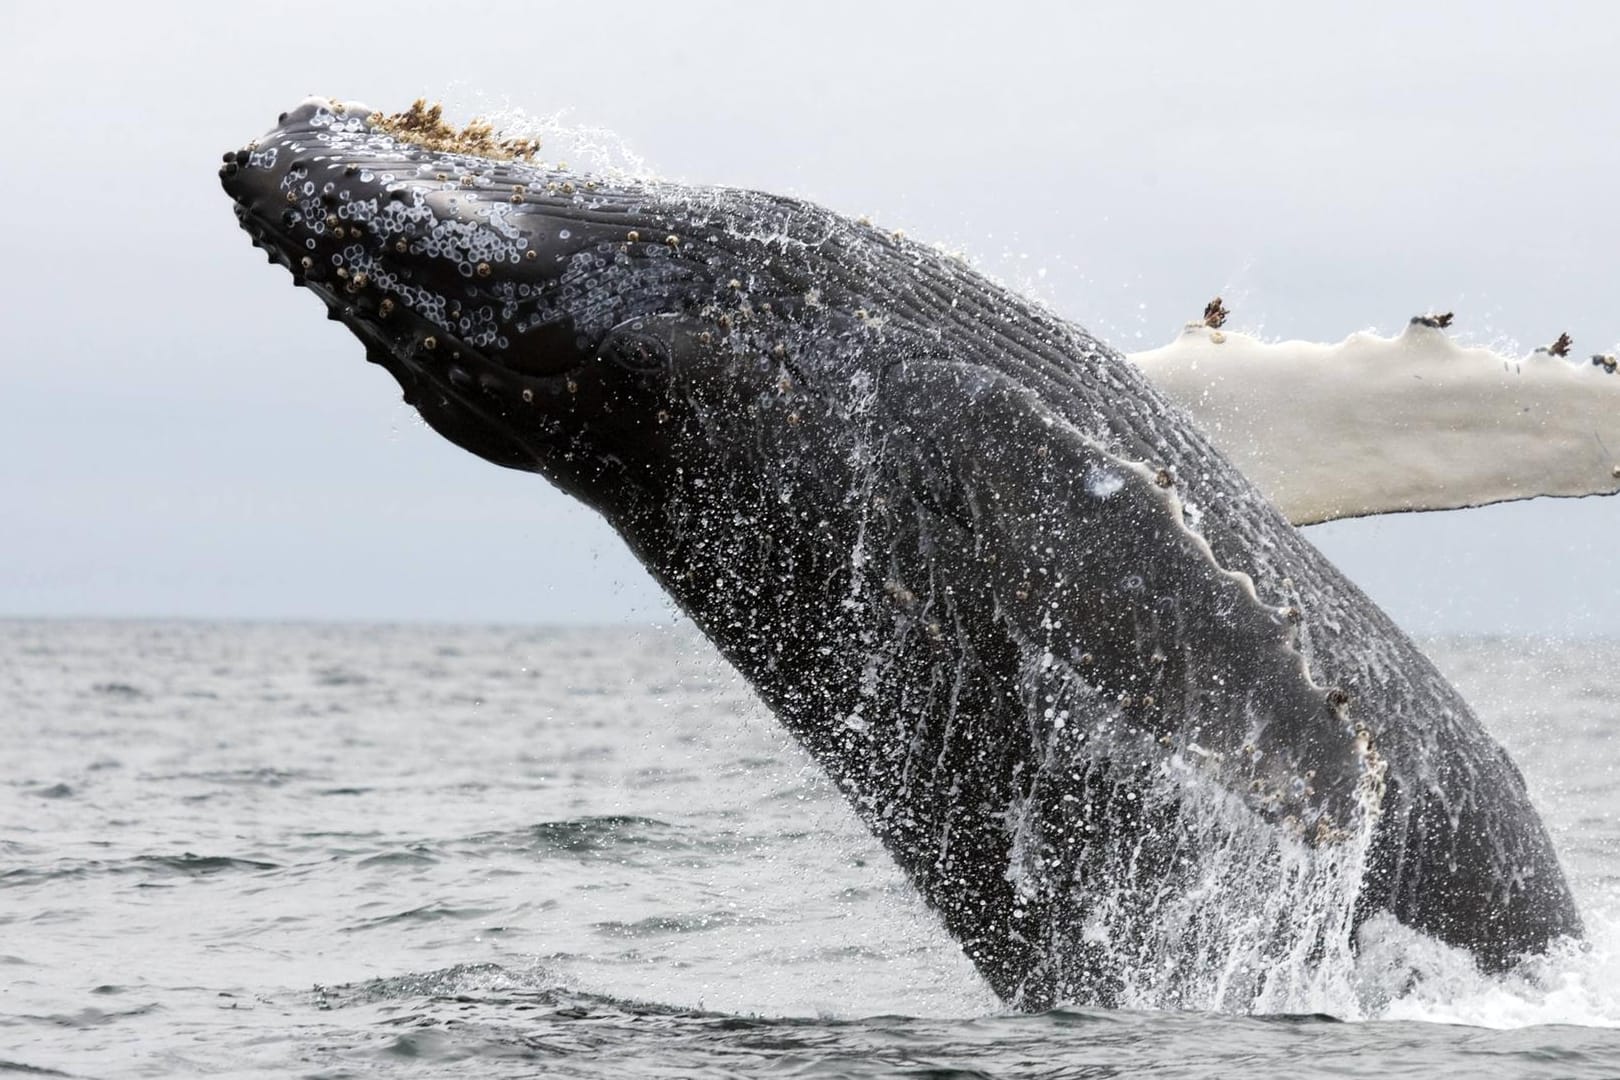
(582, 147)
(1412, 977)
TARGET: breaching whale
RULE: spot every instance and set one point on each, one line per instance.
(1128, 733)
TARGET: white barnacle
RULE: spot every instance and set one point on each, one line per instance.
(1103, 483)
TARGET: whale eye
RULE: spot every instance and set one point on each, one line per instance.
(634, 351)
(652, 346)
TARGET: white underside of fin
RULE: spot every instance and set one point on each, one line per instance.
(1378, 425)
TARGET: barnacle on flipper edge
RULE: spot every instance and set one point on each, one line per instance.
(424, 125)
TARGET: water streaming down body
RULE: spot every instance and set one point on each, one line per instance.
(1160, 890)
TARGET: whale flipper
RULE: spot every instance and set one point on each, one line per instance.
(1139, 682)
(1378, 425)
(1094, 569)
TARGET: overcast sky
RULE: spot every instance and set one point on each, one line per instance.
(182, 433)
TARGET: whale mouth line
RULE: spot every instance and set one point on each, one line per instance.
(463, 380)
(449, 364)
(452, 385)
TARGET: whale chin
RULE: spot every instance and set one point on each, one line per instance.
(461, 275)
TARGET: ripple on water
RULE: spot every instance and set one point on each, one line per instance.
(95, 1018)
(258, 776)
(203, 865)
(455, 981)
(589, 835)
(402, 837)
(416, 855)
(126, 691)
(689, 923)
(185, 864)
(340, 676)
(23, 1069)
(427, 913)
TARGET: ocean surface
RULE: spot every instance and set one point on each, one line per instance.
(342, 850)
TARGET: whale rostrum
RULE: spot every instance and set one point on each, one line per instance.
(1129, 734)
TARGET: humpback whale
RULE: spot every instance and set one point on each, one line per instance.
(1128, 733)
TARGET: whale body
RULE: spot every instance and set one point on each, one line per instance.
(1128, 733)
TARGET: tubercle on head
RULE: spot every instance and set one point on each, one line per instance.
(331, 177)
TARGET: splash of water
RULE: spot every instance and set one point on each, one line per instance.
(562, 139)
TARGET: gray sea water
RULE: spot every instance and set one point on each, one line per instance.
(350, 850)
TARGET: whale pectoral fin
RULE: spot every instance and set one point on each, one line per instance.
(1119, 608)
(1381, 425)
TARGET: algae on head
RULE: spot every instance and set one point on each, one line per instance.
(424, 125)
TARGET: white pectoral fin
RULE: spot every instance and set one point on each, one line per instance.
(1378, 425)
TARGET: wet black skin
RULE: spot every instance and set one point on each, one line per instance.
(940, 530)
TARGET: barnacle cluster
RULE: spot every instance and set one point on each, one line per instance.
(424, 125)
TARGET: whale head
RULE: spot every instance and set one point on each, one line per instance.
(599, 331)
